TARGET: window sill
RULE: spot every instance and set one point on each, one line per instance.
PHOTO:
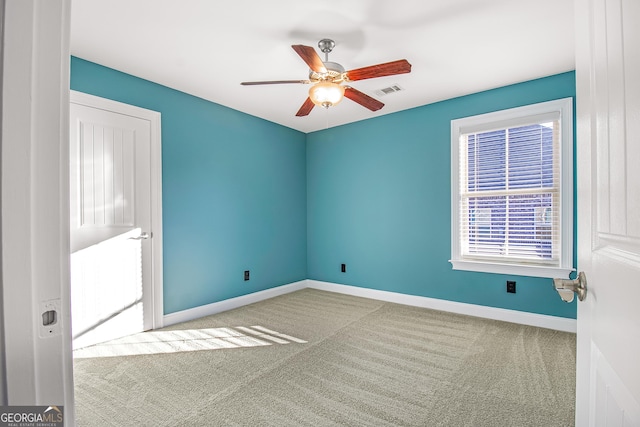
(512, 269)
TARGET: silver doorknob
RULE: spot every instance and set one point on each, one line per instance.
(567, 288)
(143, 236)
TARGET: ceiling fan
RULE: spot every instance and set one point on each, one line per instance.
(328, 78)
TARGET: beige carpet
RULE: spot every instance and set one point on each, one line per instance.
(314, 358)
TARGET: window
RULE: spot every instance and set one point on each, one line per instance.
(512, 191)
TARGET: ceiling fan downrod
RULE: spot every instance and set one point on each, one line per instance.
(335, 71)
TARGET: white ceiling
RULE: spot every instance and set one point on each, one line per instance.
(207, 47)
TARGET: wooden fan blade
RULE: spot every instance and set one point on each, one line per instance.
(309, 55)
(363, 99)
(306, 108)
(274, 82)
(401, 66)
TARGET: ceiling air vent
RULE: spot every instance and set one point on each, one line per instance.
(388, 90)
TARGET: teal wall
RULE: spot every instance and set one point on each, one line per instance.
(242, 193)
(379, 200)
(233, 188)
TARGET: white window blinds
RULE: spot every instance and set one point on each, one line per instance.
(508, 203)
(509, 193)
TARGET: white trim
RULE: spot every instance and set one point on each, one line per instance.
(106, 104)
(230, 304)
(157, 272)
(513, 269)
(513, 316)
(154, 119)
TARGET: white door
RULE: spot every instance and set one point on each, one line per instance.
(111, 220)
(608, 164)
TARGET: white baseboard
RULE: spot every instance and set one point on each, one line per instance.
(513, 316)
(230, 304)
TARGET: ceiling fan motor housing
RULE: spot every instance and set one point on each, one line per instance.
(335, 73)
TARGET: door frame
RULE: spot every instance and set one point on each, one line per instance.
(37, 365)
(154, 119)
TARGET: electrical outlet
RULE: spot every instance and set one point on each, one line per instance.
(343, 268)
(246, 275)
(511, 286)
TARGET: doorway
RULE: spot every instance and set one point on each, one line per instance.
(115, 220)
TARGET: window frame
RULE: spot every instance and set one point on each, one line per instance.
(506, 119)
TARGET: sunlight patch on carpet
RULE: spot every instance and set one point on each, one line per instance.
(156, 342)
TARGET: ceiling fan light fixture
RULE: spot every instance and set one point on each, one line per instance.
(326, 94)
